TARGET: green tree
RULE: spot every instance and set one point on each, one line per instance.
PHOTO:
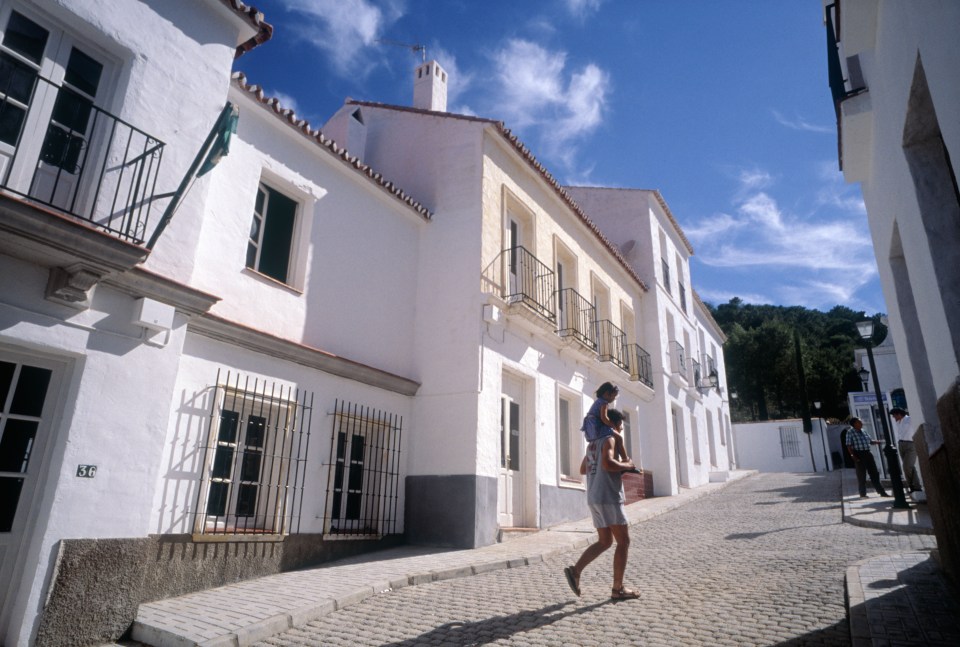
(761, 361)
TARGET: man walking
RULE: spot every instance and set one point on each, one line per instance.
(908, 455)
(605, 498)
(858, 445)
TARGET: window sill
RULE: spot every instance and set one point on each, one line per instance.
(273, 281)
(245, 538)
(572, 484)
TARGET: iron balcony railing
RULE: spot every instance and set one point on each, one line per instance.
(530, 282)
(711, 364)
(610, 343)
(638, 364)
(85, 162)
(695, 372)
(678, 359)
(575, 317)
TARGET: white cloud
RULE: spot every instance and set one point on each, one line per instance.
(813, 259)
(798, 123)
(580, 8)
(535, 93)
(344, 29)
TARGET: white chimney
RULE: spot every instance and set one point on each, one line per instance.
(430, 87)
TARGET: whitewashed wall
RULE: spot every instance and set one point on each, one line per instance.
(759, 448)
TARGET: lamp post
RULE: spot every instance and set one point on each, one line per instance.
(823, 440)
(865, 328)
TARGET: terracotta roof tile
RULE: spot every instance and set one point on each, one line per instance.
(273, 105)
(255, 17)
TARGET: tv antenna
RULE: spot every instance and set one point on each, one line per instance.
(414, 47)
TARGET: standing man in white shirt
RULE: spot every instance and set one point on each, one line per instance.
(908, 455)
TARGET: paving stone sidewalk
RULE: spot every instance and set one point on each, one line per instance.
(241, 614)
(900, 599)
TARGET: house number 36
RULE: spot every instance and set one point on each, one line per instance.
(86, 471)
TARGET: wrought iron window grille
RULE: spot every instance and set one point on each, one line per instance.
(363, 481)
(255, 458)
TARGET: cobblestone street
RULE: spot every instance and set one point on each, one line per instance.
(760, 562)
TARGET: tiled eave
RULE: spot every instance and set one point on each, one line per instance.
(329, 146)
(254, 17)
(532, 161)
(709, 317)
(673, 221)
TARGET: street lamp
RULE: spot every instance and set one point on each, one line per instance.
(865, 328)
(864, 377)
(823, 441)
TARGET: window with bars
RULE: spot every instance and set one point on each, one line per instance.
(364, 480)
(254, 458)
(789, 442)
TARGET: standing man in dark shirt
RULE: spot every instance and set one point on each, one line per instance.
(858, 445)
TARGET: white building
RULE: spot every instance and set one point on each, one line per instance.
(169, 418)
(896, 91)
(218, 366)
(687, 343)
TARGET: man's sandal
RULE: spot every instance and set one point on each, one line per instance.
(624, 594)
(572, 580)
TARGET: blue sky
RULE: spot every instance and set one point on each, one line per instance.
(722, 105)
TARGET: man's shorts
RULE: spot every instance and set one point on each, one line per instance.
(607, 514)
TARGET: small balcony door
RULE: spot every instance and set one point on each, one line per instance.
(514, 240)
(47, 133)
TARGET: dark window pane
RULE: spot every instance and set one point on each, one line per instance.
(83, 72)
(250, 466)
(353, 506)
(72, 111)
(356, 449)
(16, 442)
(228, 426)
(9, 497)
(25, 37)
(222, 463)
(356, 478)
(31, 391)
(277, 236)
(256, 429)
(247, 500)
(11, 121)
(16, 79)
(217, 501)
(251, 256)
(62, 150)
(6, 379)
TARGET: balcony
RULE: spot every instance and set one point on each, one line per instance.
(529, 282)
(678, 360)
(610, 343)
(60, 151)
(695, 372)
(575, 317)
(638, 364)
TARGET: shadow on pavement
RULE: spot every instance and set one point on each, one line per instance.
(836, 634)
(495, 628)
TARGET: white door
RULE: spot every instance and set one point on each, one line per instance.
(28, 388)
(679, 448)
(510, 485)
